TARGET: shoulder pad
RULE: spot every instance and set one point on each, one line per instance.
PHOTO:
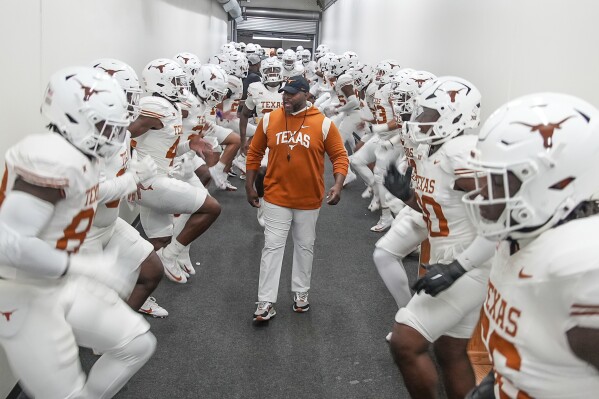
(456, 153)
(49, 160)
(156, 107)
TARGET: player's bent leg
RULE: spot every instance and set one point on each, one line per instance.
(116, 366)
(410, 352)
(151, 272)
(394, 276)
(200, 221)
(458, 375)
(39, 344)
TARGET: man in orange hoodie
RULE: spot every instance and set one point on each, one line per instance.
(297, 136)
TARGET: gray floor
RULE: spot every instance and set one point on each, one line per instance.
(209, 347)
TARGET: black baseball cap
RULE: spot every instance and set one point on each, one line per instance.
(295, 84)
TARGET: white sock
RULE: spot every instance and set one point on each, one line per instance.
(391, 270)
(220, 167)
(173, 249)
(386, 213)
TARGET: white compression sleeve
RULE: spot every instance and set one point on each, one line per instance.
(22, 217)
(116, 188)
(352, 103)
(477, 253)
(183, 148)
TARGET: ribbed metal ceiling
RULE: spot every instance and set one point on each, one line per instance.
(279, 25)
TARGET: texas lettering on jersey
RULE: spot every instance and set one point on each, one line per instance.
(503, 314)
(424, 184)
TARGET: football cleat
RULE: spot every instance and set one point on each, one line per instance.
(171, 269)
(367, 193)
(151, 308)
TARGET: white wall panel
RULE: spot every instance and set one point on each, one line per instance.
(506, 47)
(40, 37)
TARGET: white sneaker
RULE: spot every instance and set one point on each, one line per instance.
(367, 193)
(383, 224)
(184, 262)
(239, 163)
(171, 269)
(151, 308)
(351, 176)
(229, 186)
(375, 204)
(264, 311)
(218, 177)
(260, 214)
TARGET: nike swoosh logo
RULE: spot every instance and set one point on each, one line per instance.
(149, 311)
(175, 277)
(521, 274)
(436, 161)
(304, 127)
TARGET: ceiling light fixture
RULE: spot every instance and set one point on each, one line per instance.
(287, 39)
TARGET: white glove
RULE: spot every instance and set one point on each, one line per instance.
(183, 170)
(143, 170)
(102, 267)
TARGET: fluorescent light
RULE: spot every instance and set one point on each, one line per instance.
(280, 38)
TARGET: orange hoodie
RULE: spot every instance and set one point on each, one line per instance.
(295, 174)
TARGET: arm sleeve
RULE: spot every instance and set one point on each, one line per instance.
(352, 103)
(333, 145)
(22, 217)
(477, 253)
(249, 101)
(183, 148)
(257, 146)
(116, 188)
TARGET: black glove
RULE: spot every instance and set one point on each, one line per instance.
(484, 390)
(439, 277)
(399, 185)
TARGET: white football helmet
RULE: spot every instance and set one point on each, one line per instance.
(259, 50)
(128, 80)
(298, 52)
(353, 58)
(211, 83)
(189, 62)
(339, 65)
(363, 75)
(238, 64)
(289, 60)
(88, 108)
(536, 159)
(306, 56)
(227, 48)
(384, 70)
(324, 63)
(272, 71)
(321, 50)
(251, 49)
(237, 46)
(167, 78)
(279, 53)
(242, 47)
(457, 102)
(406, 91)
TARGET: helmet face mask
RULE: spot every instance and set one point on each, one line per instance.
(548, 144)
(89, 109)
(211, 84)
(289, 59)
(271, 70)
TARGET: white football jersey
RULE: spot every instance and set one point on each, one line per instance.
(449, 228)
(232, 103)
(48, 160)
(296, 71)
(369, 97)
(342, 81)
(534, 297)
(108, 213)
(263, 99)
(160, 145)
(383, 111)
(310, 70)
(190, 123)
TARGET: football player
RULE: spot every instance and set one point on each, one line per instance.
(536, 159)
(52, 298)
(157, 132)
(445, 110)
(290, 65)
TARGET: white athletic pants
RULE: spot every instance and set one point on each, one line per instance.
(277, 222)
